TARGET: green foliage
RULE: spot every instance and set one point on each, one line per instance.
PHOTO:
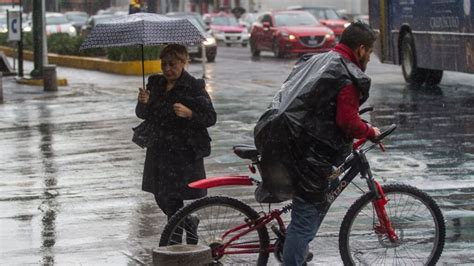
(62, 43)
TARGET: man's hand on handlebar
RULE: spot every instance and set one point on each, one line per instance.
(376, 131)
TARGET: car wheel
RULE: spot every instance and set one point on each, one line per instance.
(276, 49)
(253, 49)
(411, 72)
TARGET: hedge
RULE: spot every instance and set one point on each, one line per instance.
(62, 43)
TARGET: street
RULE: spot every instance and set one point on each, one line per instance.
(70, 187)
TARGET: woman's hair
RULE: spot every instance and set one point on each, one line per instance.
(177, 51)
(358, 33)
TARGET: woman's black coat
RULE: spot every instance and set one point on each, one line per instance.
(176, 157)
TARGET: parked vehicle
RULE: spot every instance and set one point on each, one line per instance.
(3, 24)
(77, 18)
(227, 29)
(328, 17)
(285, 32)
(94, 20)
(195, 50)
(55, 23)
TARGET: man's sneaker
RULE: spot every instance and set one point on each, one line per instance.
(309, 256)
(191, 225)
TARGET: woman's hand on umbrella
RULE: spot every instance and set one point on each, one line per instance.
(143, 95)
(182, 111)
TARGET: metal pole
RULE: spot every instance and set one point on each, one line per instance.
(37, 38)
(20, 44)
(203, 60)
(43, 30)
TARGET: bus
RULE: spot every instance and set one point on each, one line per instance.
(425, 37)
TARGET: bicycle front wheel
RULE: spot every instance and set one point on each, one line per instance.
(416, 218)
(214, 222)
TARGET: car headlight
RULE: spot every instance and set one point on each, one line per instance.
(346, 25)
(210, 41)
(3, 30)
(329, 35)
(27, 29)
(288, 36)
(72, 29)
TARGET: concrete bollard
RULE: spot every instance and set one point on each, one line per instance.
(50, 80)
(1, 87)
(182, 255)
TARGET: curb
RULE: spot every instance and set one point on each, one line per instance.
(104, 65)
(39, 82)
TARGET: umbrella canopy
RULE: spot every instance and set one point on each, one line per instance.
(144, 29)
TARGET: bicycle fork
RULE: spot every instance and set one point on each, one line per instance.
(385, 226)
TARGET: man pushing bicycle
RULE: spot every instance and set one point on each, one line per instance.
(318, 106)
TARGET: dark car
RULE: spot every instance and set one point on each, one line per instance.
(285, 32)
(195, 50)
(327, 16)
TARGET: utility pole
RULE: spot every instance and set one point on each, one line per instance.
(38, 38)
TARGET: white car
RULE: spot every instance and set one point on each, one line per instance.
(55, 23)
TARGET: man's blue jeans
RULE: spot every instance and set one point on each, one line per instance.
(304, 224)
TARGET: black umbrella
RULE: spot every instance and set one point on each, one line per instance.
(144, 29)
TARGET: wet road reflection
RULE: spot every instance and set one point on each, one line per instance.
(49, 205)
(70, 176)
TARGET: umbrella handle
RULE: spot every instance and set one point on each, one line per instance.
(143, 66)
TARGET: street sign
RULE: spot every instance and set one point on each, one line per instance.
(14, 26)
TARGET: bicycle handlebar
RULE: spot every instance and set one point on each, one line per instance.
(385, 133)
(366, 109)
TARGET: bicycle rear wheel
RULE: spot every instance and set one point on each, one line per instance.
(209, 221)
(416, 218)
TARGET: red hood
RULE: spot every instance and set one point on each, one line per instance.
(333, 22)
(306, 30)
(227, 28)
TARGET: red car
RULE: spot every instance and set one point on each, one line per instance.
(329, 17)
(286, 32)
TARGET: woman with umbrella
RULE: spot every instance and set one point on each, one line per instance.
(180, 111)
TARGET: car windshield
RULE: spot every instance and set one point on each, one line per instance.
(225, 21)
(77, 18)
(295, 19)
(103, 19)
(56, 20)
(325, 13)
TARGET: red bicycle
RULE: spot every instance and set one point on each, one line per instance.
(390, 224)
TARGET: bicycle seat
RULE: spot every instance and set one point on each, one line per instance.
(246, 151)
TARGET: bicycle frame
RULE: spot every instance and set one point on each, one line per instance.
(356, 163)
